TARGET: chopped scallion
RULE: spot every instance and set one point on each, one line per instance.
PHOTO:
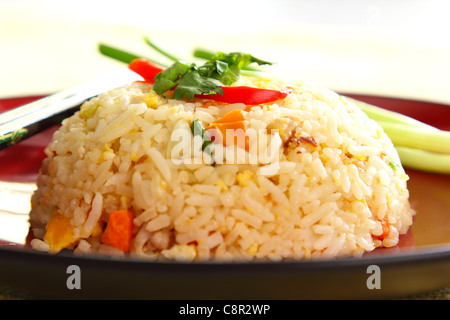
(198, 130)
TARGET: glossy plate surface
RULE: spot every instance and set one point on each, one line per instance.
(420, 262)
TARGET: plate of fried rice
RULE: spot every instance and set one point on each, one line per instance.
(297, 197)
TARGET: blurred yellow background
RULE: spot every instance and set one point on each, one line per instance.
(392, 48)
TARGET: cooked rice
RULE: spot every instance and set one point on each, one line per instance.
(324, 192)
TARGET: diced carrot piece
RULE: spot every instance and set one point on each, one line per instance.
(233, 120)
(232, 116)
(119, 230)
(59, 233)
(237, 133)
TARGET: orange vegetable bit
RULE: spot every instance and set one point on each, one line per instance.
(233, 121)
(385, 226)
(59, 233)
(236, 131)
(232, 116)
(119, 230)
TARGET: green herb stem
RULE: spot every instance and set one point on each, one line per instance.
(416, 137)
(419, 145)
(424, 160)
(122, 55)
(256, 74)
(203, 54)
(161, 50)
(380, 114)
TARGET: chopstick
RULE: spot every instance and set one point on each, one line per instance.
(25, 121)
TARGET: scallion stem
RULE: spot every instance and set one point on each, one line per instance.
(161, 50)
(116, 53)
(424, 160)
(122, 55)
(203, 54)
(256, 74)
(419, 145)
(380, 114)
(416, 137)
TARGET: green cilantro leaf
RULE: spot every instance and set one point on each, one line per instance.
(193, 83)
(166, 80)
(190, 80)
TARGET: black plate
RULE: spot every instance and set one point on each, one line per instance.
(421, 261)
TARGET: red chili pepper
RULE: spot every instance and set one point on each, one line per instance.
(247, 95)
(146, 69)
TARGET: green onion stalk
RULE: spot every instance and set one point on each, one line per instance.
(419, 145)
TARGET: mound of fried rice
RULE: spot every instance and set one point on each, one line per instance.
(333, 185)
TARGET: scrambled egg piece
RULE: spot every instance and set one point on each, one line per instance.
(244, 177)
(183, 252)
(152, 100)
(107, 153)
(59, 234)
(253, 249)
(222, 185)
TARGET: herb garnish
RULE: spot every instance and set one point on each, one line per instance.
(189, 80)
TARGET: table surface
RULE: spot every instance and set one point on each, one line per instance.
(396, 49)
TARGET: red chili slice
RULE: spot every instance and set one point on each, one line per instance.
(247, 95)
(146, 69)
